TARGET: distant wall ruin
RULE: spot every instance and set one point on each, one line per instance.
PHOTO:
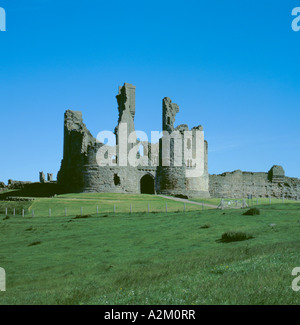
(240, 184)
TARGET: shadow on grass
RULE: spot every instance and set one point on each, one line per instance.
(34, 190)
(35, 243)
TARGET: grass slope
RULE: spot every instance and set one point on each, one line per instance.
(154, 258)
(88, 202)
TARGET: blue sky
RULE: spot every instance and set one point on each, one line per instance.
(231, 66)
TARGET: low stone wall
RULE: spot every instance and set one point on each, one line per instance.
(19, 199)
(240, 184)
(17, 185)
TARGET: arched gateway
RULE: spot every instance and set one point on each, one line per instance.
(147, 184)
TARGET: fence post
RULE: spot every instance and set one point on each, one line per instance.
(14, 212)
(49, 212)
(97, 210)
(23, 213)
(6, 212)
(244, 203)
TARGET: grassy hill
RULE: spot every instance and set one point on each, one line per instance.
(147, 258)
(75, 204)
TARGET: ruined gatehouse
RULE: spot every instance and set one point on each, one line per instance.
(81, 172)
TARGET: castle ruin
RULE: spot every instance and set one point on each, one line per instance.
(80, 171)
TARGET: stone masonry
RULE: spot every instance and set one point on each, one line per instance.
(240, 184)
(80, 171)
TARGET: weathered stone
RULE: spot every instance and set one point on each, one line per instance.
(126, 102)
(276, 174)
(169, 112)
(50, 177)
(42, 177)
(80, 171)
(78, 141)
(240, 184)
(17, 185)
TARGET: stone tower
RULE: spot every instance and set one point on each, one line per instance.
(170, 176)
(81, 171)
(126, 107)
(42, 177)
(179, 177)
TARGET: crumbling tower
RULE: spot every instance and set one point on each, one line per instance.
(81, 171)
(170, 177)
(78, 142)
(126, 107)
(178, 175)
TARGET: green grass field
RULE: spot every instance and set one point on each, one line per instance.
(74, 204)
(253, 202)
(169, 258)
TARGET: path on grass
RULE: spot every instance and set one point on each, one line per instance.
(188, 201)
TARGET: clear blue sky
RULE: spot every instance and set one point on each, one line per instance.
(232, 66)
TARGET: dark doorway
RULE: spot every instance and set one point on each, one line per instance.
(117, 180)
(147, 185)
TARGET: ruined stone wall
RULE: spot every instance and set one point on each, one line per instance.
(240, 184)
(170, 179)
(14, 185)
(174, 179)
(77, 141)
(17, 185)
(80, 171)
(3, 187)
(199, 186)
